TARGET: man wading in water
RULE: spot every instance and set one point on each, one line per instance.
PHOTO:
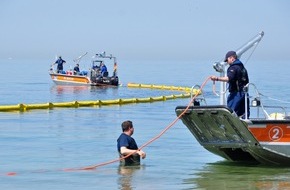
(127, 145)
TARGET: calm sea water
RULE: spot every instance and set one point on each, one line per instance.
(38, 147)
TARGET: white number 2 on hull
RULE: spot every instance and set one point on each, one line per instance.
(275, 133)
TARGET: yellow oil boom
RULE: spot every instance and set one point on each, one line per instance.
(75, 104)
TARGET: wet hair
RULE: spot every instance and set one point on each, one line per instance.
(126, 125)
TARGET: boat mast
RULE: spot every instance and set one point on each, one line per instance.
(77, 60)
(221, 66)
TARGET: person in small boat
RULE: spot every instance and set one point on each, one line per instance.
(115, 69)
(59, 63)
(104, 71)
(237, 78)
(77, 69)
(78, 72)
(127, 145)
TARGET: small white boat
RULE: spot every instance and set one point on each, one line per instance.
(263, 138)
(93, 77)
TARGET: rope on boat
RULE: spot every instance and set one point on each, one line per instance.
(282, 101)
(150, 141)
(214, 89)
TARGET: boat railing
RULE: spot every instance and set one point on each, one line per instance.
(278, 112)
(200, 98)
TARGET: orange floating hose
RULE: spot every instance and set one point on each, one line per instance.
(147, 143)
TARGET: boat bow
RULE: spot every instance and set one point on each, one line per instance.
(221, 132)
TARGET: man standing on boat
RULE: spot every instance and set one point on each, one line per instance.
(59, 63)
(115, 69)
(237, 78)
(126, 145)
(104, 70)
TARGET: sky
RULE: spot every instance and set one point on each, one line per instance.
(143, 30)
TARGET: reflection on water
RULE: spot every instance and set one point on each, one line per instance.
(227, 175)
(64, 89)
(66, 93)
(126, 175)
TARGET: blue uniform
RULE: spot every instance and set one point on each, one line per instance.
(238, 78)
(103, 69)
(60, 63)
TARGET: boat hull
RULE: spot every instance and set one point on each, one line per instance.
(219, 131)
(65, 79)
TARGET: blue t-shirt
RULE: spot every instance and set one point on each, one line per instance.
(77, 69)
(126, 141)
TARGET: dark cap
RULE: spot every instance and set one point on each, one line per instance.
(229, 54)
